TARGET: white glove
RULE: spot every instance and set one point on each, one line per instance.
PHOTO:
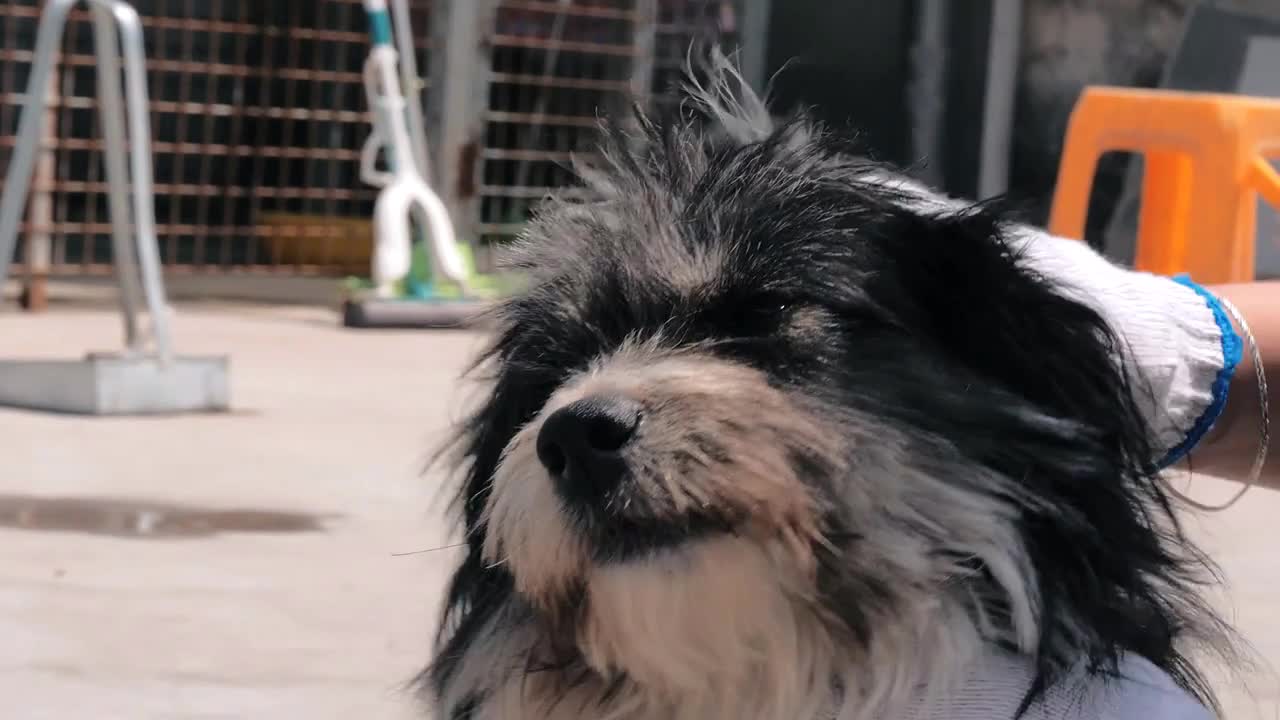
(1181, 339)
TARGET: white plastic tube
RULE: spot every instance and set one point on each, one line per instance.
(404, 191)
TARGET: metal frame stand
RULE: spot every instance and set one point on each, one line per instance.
(142, 379)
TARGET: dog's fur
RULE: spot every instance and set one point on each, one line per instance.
(874, 442)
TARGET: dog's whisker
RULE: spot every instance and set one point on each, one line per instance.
(428, 550)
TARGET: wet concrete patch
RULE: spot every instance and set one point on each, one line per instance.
(119, 517)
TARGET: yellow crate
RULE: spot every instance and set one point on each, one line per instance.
(342, 245)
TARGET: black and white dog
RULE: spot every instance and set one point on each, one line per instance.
(766, 438)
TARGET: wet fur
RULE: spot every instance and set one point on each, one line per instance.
(874, 444)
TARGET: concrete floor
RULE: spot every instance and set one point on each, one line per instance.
(308, 625)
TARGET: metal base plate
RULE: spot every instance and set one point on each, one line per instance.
(373, 313)
(116, 385)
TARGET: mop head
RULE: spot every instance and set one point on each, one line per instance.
(424, 301)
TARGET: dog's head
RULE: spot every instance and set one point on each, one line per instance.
(770, 422)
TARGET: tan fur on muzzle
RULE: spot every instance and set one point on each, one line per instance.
(715, 438)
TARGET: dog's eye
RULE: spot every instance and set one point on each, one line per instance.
(762, 315)
(769, 309)
(746, 316)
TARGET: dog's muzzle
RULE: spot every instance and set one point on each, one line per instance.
(652, 450)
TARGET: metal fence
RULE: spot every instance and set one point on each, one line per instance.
(556, 67)
(258, 115)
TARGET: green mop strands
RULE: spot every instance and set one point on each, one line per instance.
(421, 285)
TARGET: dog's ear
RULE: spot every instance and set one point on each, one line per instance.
(971, 293)
(1042, 396)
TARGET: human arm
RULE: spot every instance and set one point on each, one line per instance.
(1200, 392)
(1229, 448)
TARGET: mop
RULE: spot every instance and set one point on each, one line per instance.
(438, 286)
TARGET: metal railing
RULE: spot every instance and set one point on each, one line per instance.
(118, 46)
(258, 115)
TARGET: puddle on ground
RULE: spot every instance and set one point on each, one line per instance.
(143, 519)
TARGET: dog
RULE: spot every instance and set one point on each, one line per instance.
(773, 433)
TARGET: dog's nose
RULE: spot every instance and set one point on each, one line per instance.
(581, 443)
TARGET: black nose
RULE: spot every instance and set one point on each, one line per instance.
(581, 443)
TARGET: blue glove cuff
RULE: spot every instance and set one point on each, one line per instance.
(1232, 349)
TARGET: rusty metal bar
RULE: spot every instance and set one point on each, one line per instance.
(178, 148)
(204, 108)
(505, 154)
(577, 46)
(182, 66)
(190, 22)
(39, 244)
(282, 193)
(561, 82)
(536, 193)
(586, 121)
(313, 231)
(579, 10)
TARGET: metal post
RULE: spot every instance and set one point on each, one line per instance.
(144, 215)
(645, 29)
(1001, 91)
(459, 68)
(928, 89)
(111, 118)
(135, 112)
(755, 42)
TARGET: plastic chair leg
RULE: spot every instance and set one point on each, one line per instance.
(1166, 209)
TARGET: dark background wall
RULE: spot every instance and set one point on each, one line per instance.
(849, 61)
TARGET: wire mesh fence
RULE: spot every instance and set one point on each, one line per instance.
(258, 115)
(559, 66)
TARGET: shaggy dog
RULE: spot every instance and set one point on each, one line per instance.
(773, 434)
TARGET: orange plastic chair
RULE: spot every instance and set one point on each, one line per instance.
(1206, 164)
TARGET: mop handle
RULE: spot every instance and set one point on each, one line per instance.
(403, 187)
(379, 21)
